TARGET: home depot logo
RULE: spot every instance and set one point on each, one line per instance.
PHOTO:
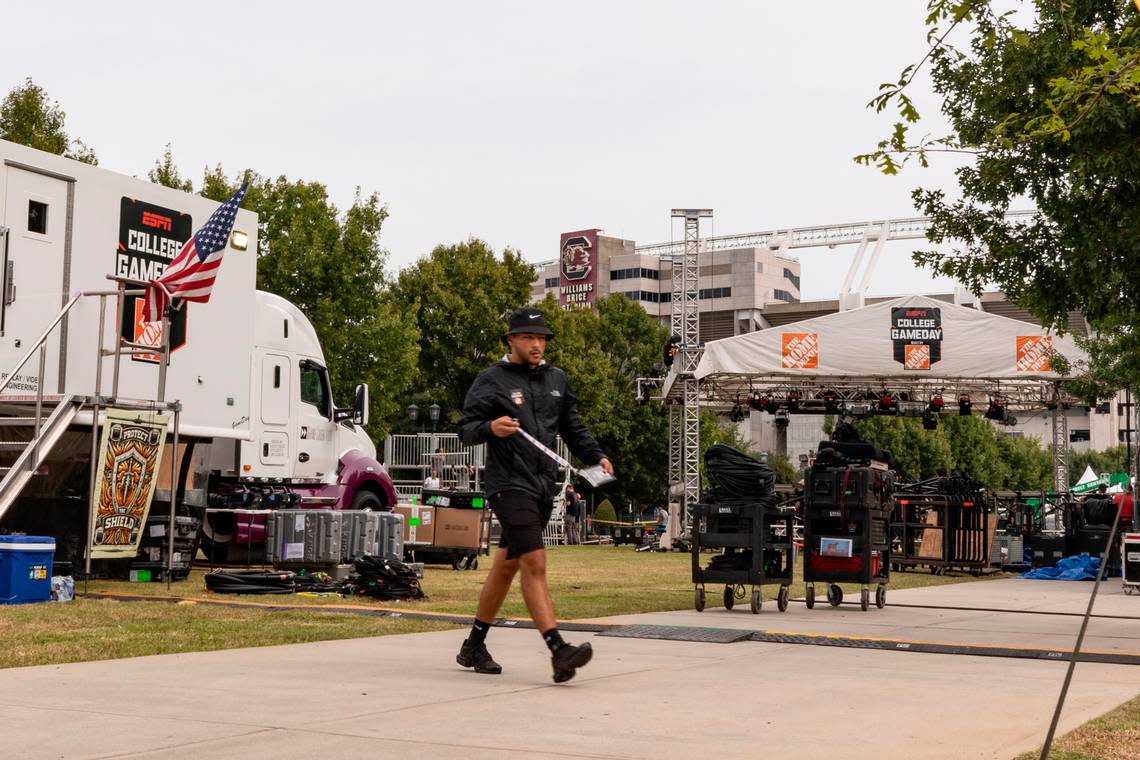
(1034, 353)
(916, 356)
(800, 350)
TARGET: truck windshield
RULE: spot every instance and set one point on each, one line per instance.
(315, 388)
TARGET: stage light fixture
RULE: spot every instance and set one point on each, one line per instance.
(831, 402)
(996, 409)
(965, 406)
(736, 414)
(929, 421)
(887, 403)
(793, 401)
(936, 403)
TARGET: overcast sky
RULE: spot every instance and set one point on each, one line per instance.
(511, 122)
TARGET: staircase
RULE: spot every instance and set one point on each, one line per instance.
(20, 459)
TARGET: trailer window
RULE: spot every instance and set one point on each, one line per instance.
(37, 217)
(314, 387)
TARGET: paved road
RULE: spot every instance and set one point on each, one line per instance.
(402, 696)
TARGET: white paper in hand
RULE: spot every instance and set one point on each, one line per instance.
(596, 476)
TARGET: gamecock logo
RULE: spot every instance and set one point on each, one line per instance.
(576, 259)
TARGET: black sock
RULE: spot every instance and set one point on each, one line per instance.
(553, 640)
(478, 632)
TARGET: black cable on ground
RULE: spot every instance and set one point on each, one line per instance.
(251, 582)
(382, 578)
(1080, 639)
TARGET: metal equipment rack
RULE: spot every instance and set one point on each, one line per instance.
(758, 535)
(839, 508)
(943, 524)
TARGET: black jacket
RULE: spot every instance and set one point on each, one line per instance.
(545, 406)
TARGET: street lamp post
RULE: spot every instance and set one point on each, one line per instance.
(413, 415)
(433, 415)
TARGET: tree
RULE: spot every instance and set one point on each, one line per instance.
(331, 267)
(969, 445)
(457, 298)
(918, 454)
(1046, 105)
(166, 173)
(1109, 460)
(30, 117)
(603, 353)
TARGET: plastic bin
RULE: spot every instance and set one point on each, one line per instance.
(25, 568)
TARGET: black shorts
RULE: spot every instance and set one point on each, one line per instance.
(522, 518)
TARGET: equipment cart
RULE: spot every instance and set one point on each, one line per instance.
(461, 531)
(756, 542)
(847, 531)
(945, 524)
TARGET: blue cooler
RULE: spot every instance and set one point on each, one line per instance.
(25, 568)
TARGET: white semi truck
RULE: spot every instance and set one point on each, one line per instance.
(258, 426)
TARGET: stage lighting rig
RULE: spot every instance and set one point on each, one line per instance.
(929, 421)
(831, 402)
(965, 406)
(887, 403)
(936, 404)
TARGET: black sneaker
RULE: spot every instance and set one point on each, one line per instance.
(477, 657)
(568, 659)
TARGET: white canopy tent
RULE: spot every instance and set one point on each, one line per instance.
(913, 346)
(913, 349)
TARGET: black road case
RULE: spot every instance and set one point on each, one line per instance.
(847, 531)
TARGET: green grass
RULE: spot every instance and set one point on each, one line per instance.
(1112, 736)
(95, 629)
(585, 581)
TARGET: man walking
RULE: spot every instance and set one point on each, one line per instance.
(523, 393)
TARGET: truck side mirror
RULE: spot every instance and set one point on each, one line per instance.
(360, 405)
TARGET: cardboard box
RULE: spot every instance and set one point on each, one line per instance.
(419, 523)
(462, 528)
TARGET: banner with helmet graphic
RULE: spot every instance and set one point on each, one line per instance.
(130, 454)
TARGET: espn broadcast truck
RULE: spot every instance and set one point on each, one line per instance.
(258, 426)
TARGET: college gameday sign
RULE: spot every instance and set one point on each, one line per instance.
(916, 336)
(150, 237)
(578, 269)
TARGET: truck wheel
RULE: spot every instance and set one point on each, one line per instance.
(366, 500)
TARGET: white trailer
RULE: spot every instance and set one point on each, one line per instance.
(257, 414)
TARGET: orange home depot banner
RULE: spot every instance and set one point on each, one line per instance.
(800, 350)
(1034, 353)
(130, 454)
(916, 356)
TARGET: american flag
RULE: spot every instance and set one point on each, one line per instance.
(190, 276)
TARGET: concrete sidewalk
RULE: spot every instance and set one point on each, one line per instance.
(403, 696)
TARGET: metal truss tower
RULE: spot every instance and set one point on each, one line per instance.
(685, 423)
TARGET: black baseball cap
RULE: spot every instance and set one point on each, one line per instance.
(527, 321)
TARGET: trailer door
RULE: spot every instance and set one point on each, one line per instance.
(33, 290)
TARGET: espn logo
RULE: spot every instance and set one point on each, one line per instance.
(800, 350)
(150, 219)
(1034, 353)
(916, 356)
